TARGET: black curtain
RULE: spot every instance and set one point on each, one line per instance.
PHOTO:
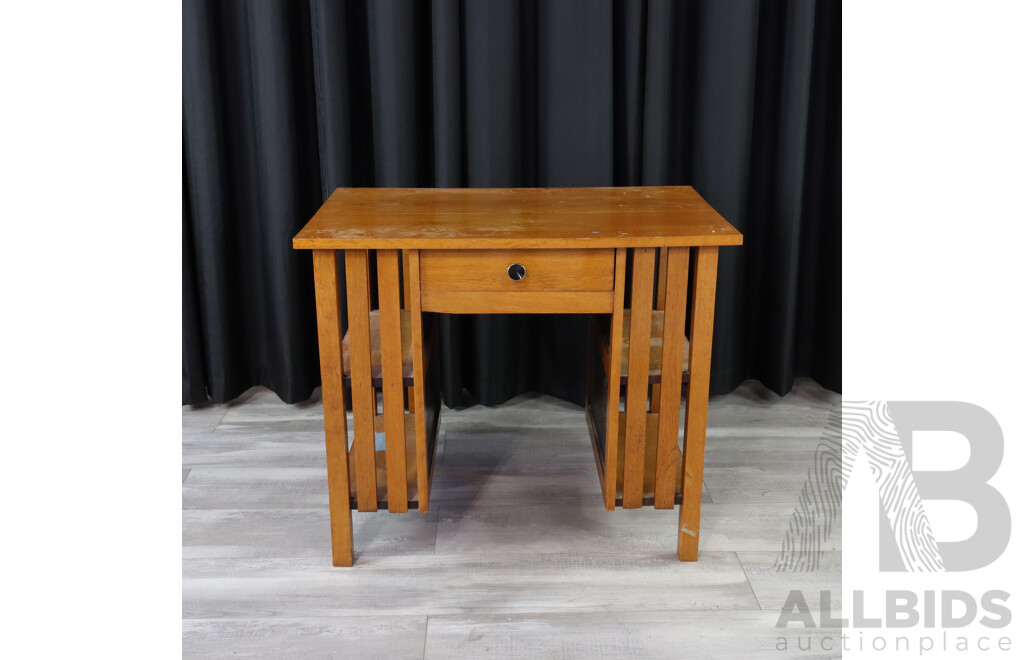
(285, 101)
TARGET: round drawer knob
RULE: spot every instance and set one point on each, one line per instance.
(516, 272)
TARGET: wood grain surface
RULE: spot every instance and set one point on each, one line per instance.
(435, 218)
(325, 269)
(546, 270)
(364, 402)
(636, 390)
(514, 302)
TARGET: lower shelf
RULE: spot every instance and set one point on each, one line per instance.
(381, 463)
(376, 373)
(657, 341)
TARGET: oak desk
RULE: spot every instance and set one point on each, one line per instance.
(521, 250)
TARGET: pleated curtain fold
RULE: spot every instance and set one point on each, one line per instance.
(285, 101)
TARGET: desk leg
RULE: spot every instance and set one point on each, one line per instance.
(702, 318)
(328, 319)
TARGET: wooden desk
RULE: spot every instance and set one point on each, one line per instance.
(522, 250)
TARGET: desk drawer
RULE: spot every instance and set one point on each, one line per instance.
(517, 281)
(545, 270)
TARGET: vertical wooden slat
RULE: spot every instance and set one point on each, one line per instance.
(677, 271)
(389, 296)
(596, 368)
(364, 404)
(328, 321)
(663, 282)
(636, 388)
(659, 304)
(406, 291)
(611, 443)
(417, 400)
(662, 278)
(406, 296)
(702, 319)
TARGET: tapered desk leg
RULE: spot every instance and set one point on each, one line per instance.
(702, 318)
(328, 318)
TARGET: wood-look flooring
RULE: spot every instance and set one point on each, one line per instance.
(517, 557)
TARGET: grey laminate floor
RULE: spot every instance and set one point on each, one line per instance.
(517, 558)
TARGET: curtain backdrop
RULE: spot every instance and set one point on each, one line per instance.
(285, 101)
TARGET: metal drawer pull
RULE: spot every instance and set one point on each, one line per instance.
(516, 272)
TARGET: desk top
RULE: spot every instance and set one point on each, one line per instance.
(491, 218)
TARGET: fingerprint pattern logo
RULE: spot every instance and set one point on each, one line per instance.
(821, 503)
(861, 427)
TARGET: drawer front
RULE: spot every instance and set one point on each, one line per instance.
(542, 270)
(517, 281)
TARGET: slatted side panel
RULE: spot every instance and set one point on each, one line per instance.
(614, 367)
(364, 406)
(639, 366)
(676, 269)
(389, 296)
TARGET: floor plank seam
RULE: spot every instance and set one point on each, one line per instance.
(426, 631)
(221, 418)
(749, 584)
(437, 615)
(437, 525)
(372, 614)
(257, 570)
